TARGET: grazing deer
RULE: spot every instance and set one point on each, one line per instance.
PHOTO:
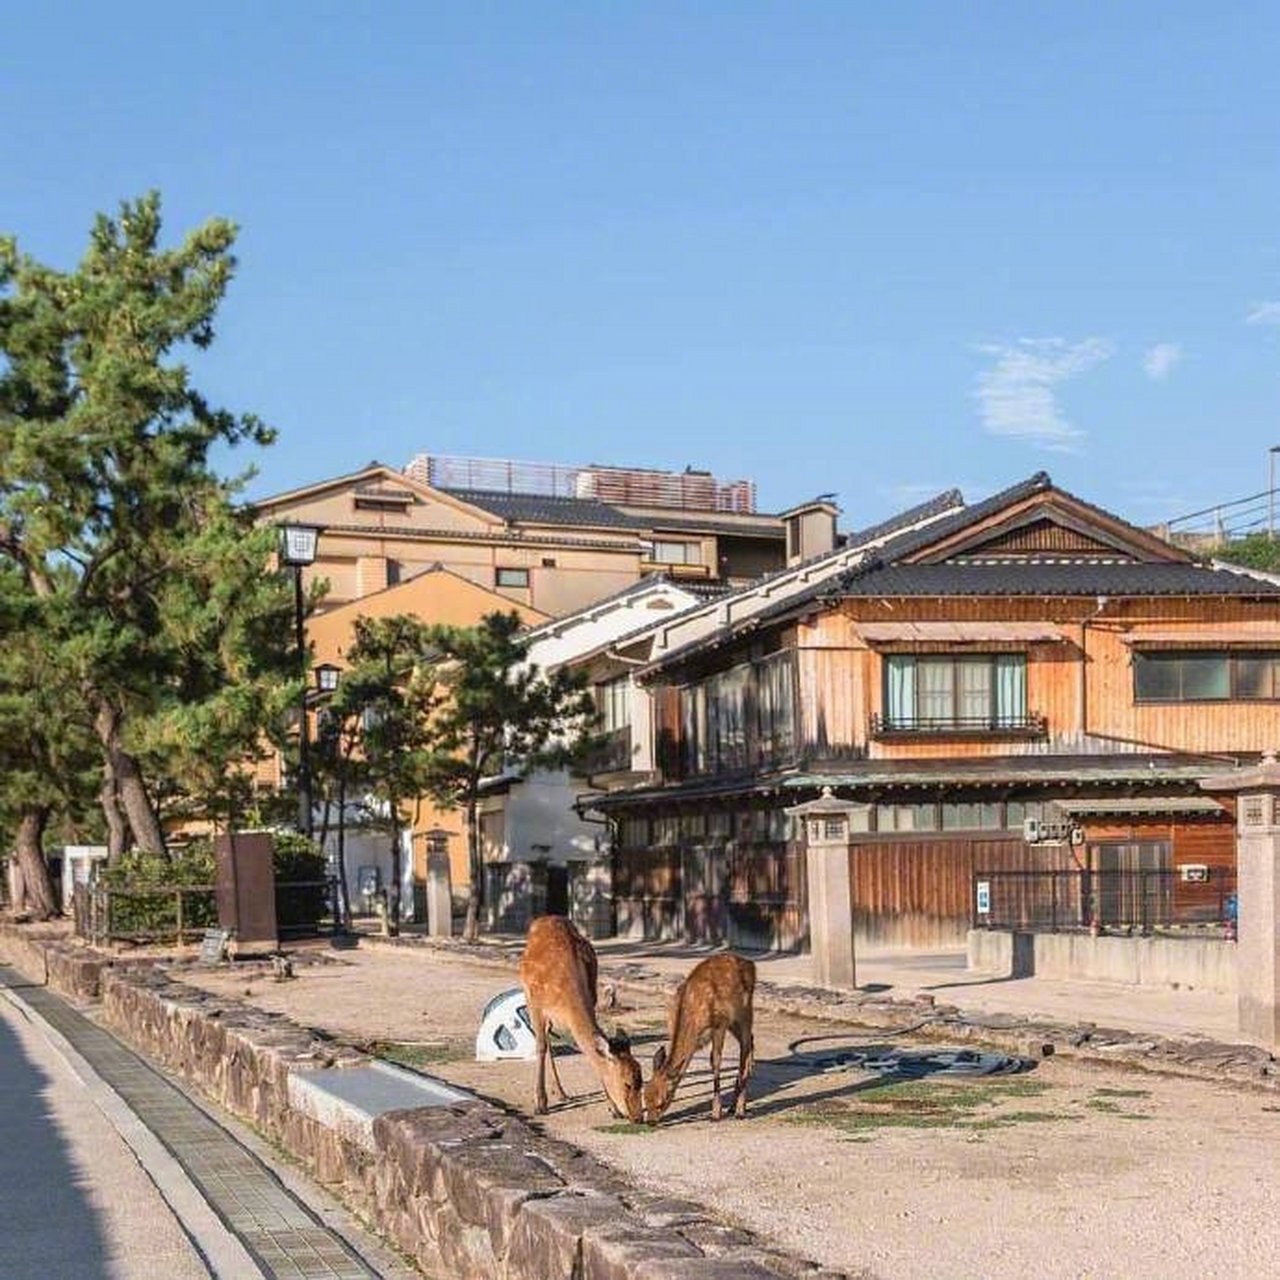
(715, 998)
(558, 973)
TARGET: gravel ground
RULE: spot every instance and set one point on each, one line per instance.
(1064, 1170)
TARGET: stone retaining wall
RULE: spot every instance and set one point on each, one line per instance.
(469, 1191)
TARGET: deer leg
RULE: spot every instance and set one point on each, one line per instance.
(746, 1060)
(717, 1052)
(555, 1072)
(540, 1088)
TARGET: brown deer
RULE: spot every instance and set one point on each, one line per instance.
(558, 973)
(716, 997)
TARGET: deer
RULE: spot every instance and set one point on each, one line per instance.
(558, 972)
(714, 999)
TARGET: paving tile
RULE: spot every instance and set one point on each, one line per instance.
(287, 1239)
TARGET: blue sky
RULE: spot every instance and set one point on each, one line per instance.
(871, 248)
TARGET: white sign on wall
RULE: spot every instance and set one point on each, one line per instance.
(984, 897)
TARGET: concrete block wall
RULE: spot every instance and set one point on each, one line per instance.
(1199, 964)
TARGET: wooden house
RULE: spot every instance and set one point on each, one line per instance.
(1027, 684)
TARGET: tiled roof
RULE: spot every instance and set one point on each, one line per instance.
(1074, 774)
(944, 501)
(1050, 578)
(540, 509)
(537, 509)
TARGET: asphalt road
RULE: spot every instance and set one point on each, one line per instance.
(74, 1202)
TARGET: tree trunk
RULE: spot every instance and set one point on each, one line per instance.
(128, 778)
(393, 889)
(475, 893)
(40, 900)
(117, 831)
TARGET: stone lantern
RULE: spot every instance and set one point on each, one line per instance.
(439, 887)
(1257, 792)
(827, 824)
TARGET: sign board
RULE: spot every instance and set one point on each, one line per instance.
(213, 946)
(984, 897)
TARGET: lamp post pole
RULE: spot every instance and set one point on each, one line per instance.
(305, 814)
(298, 549)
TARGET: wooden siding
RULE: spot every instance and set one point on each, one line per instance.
(1042, 536)
(1083, 686)
(748, 895)
(917, 892)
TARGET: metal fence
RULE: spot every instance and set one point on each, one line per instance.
(1137, 901)
(180, 913)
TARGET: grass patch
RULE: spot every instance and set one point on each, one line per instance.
(919, 1104)
(1105, 1105)
(1121, 1093)
(625, 1126)
(417, 1056)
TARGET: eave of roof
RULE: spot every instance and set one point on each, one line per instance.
(1003, 773)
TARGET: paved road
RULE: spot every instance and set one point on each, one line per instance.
(74, 1202)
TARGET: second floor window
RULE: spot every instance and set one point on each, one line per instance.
(513, 577)
(676, 552)
(939, 691)
(1206, 677)
(613, 697)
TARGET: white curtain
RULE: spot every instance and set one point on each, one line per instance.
(1011, 688)
(901, 689)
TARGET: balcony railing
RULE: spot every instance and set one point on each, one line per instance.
(1028, 725)
(610, 753)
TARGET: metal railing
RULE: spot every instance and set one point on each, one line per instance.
(181, 913)
(610, 752)
(1108, 901)
(1227, 521)
(1030, 723)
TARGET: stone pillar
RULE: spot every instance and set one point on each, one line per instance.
(827, 826)
(1257, 792)
(439, 886)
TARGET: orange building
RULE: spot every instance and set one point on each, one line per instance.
(435, 595)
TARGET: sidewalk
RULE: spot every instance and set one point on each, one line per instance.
(942, 975)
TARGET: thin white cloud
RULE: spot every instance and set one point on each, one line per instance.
(1159, 361)
(1017, 396)
(1264, 313)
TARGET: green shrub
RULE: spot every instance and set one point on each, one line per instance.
(145, 905)
(296, 859)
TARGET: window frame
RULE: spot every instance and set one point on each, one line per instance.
(996, 719)
(518, 569)
(690, 551)
(1231, 657)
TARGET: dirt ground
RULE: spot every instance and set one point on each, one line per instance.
(1063, 1170)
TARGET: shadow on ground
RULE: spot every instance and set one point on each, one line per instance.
(50, 1227)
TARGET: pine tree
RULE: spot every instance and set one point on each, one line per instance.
(109, 508)
(393, 697)
(501, 713)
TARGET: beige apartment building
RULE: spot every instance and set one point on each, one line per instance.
(547, 538)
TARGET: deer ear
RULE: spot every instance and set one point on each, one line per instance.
(659, 1057)
(620, 1042)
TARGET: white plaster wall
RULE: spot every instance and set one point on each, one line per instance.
(539, 811)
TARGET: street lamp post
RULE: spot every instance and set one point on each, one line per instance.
(297, 550)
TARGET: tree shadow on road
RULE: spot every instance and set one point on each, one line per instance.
(50, 1225)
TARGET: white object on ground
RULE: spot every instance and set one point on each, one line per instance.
(505, 1030)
